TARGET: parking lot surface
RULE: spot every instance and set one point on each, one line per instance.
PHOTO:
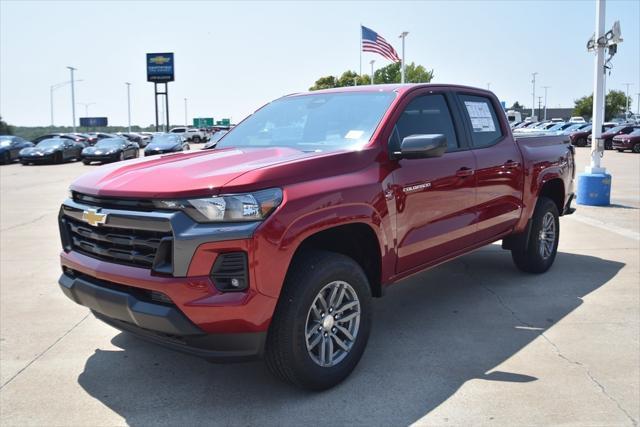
(473, 341)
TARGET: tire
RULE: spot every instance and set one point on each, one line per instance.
(582, 142)
(196, 139)
(287, 352)
(636, 148)
(536, 258)
(58, 158)
(86, 162)
(6, 158)
(608, 145)
(620, 150)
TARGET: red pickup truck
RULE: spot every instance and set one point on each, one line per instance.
(274, 243)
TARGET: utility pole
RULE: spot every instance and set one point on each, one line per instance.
(128, 105)
(638, 104)
(533, 94)
(545, 101)
(372, 62)
(540, 106)
(403, 35)
(54, 87)
(186, 122)
(626, 111)
(489, 86)
(73, 99)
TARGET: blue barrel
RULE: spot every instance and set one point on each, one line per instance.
(594, 189)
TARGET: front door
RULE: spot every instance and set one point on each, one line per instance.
(434, 196)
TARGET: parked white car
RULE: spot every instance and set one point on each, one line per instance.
(190, 134)
(577, 119)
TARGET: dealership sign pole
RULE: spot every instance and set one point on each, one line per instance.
(594, 185)
(160, 69)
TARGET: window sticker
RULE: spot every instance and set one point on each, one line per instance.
(354, 134)
(480, 116)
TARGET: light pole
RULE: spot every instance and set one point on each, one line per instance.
(86, 107)
(539, 105)
(54, 87)
(372, 62)
(73, 99)
(545, 101)
(489, 86)
(638, 104)
(626, 111)
(128, 105)
(533, 95)
(186, 122)
(403, 35)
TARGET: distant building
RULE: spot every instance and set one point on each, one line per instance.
(552, 113)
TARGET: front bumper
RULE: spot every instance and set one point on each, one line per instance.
(622, 145)
(158, 320)
(100, 158)
(155, 152)
(38, 159)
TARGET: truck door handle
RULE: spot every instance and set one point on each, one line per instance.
(510, 164)
(464, 172)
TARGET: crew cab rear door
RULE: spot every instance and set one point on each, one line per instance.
(434, 197)
(499, 165)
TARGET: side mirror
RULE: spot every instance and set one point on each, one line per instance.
(422, 146)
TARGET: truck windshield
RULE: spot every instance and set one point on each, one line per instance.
(313, 122)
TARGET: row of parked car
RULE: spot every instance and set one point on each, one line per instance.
(97, 146)
(618, 136)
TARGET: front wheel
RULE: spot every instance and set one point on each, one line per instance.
(542, 248)
(636, 148)
(322, 322)
(196, 139)
(620, 150)
(608, 145)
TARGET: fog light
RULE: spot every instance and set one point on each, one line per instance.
(230, 272)
(235, 282)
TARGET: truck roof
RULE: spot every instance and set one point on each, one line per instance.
(395, 87)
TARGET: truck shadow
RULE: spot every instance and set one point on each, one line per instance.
(432, 333)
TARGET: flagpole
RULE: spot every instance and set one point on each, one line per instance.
(360, 50)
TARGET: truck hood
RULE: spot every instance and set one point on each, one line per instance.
(207, 172)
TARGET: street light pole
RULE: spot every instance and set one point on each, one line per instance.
(186, 121)
(598, 94)
(73, 99)
(403, 35)
(545, 101)
(539, 105)
(128, 105)
(489, 86)
(86, 107)
(626, 111)
(53, 88)
(372, 62)
(533, 95)
(638, 104)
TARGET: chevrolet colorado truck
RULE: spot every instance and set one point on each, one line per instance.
(274, 244)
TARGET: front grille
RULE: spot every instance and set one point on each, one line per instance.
(132, 247)
(113, 203)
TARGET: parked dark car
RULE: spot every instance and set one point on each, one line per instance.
(628, 142)
(70, 136)
(10, 147)
(52, 150)
(166, 143)
(614, 131)
(97, 136)
(110, 150)
(214, 138)
(575, 127)
(139, 139)
(580, 137)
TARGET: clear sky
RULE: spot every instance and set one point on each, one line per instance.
(232, 57)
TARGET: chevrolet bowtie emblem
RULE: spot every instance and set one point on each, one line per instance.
(93, 217)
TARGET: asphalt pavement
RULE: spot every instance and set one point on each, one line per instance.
(473, 341)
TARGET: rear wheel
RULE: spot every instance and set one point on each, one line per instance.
(620, 150)
(608, 144)
(58, 158)
(542, 247)
(636, 147)
(322, 321)
(6, 158)
(581, 142)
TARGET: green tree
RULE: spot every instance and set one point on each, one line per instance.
(516, 106)
(5, 129)
(389, 74)
(615, 104)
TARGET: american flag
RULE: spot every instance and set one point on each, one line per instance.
(374, 42)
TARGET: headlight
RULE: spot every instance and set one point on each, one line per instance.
(228, 208)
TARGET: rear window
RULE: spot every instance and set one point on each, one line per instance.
(485, 126)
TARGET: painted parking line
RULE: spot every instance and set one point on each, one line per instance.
(625, 232)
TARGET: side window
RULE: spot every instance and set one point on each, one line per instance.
(428, 114)
(485, 126)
